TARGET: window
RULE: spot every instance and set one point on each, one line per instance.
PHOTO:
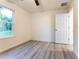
(6, 22)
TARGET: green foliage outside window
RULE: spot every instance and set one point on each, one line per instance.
(6, 21)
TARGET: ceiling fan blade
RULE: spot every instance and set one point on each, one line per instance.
(37, 2)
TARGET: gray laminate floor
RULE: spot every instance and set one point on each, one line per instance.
(40, 50)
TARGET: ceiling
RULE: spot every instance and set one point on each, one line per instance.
(30, 5)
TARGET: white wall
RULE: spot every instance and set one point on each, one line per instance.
(22, 27)
(75, 15)
(43, 25)
(74, 5)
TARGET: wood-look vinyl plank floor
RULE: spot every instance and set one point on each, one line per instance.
(40, 50)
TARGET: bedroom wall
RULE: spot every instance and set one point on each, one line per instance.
(43, 25)
(22, 27)
(75, 43)
(74, 5)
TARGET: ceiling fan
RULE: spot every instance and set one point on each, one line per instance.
(37, 2)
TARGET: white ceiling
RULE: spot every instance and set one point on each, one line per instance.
(30, 5)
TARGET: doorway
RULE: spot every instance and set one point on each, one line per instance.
(64, 28)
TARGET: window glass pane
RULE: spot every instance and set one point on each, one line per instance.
(6, 22)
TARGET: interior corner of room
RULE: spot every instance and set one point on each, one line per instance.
(53, 21)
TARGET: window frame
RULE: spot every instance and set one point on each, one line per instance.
(13, 23)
